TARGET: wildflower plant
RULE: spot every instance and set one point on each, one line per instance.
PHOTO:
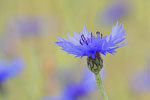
(85, 44)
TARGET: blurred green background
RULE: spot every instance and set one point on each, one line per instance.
(45, 61)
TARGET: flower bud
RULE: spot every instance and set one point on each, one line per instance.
(95, 64)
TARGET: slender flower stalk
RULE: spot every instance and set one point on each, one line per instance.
(85, 44)
(100, 86)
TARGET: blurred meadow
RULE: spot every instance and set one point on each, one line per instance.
(29, 30)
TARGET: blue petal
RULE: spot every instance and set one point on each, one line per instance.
(86, 33)
(72, 40)
(70, 48)
(77, 36)
(112, 41)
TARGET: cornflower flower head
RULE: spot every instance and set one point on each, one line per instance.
(76, 90)
(85, 44)
(10, 69)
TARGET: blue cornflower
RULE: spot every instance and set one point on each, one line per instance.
(28, 26)
(113, 12)
(76, 90)
(85, 44)
(140, 81)
(10, 69)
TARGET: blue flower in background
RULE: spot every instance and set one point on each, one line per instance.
(29, 26)
(76, 90)
(140, 82)
(10, 69)
(85, 44)
(113, 12)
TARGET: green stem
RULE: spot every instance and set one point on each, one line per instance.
(100, 86)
